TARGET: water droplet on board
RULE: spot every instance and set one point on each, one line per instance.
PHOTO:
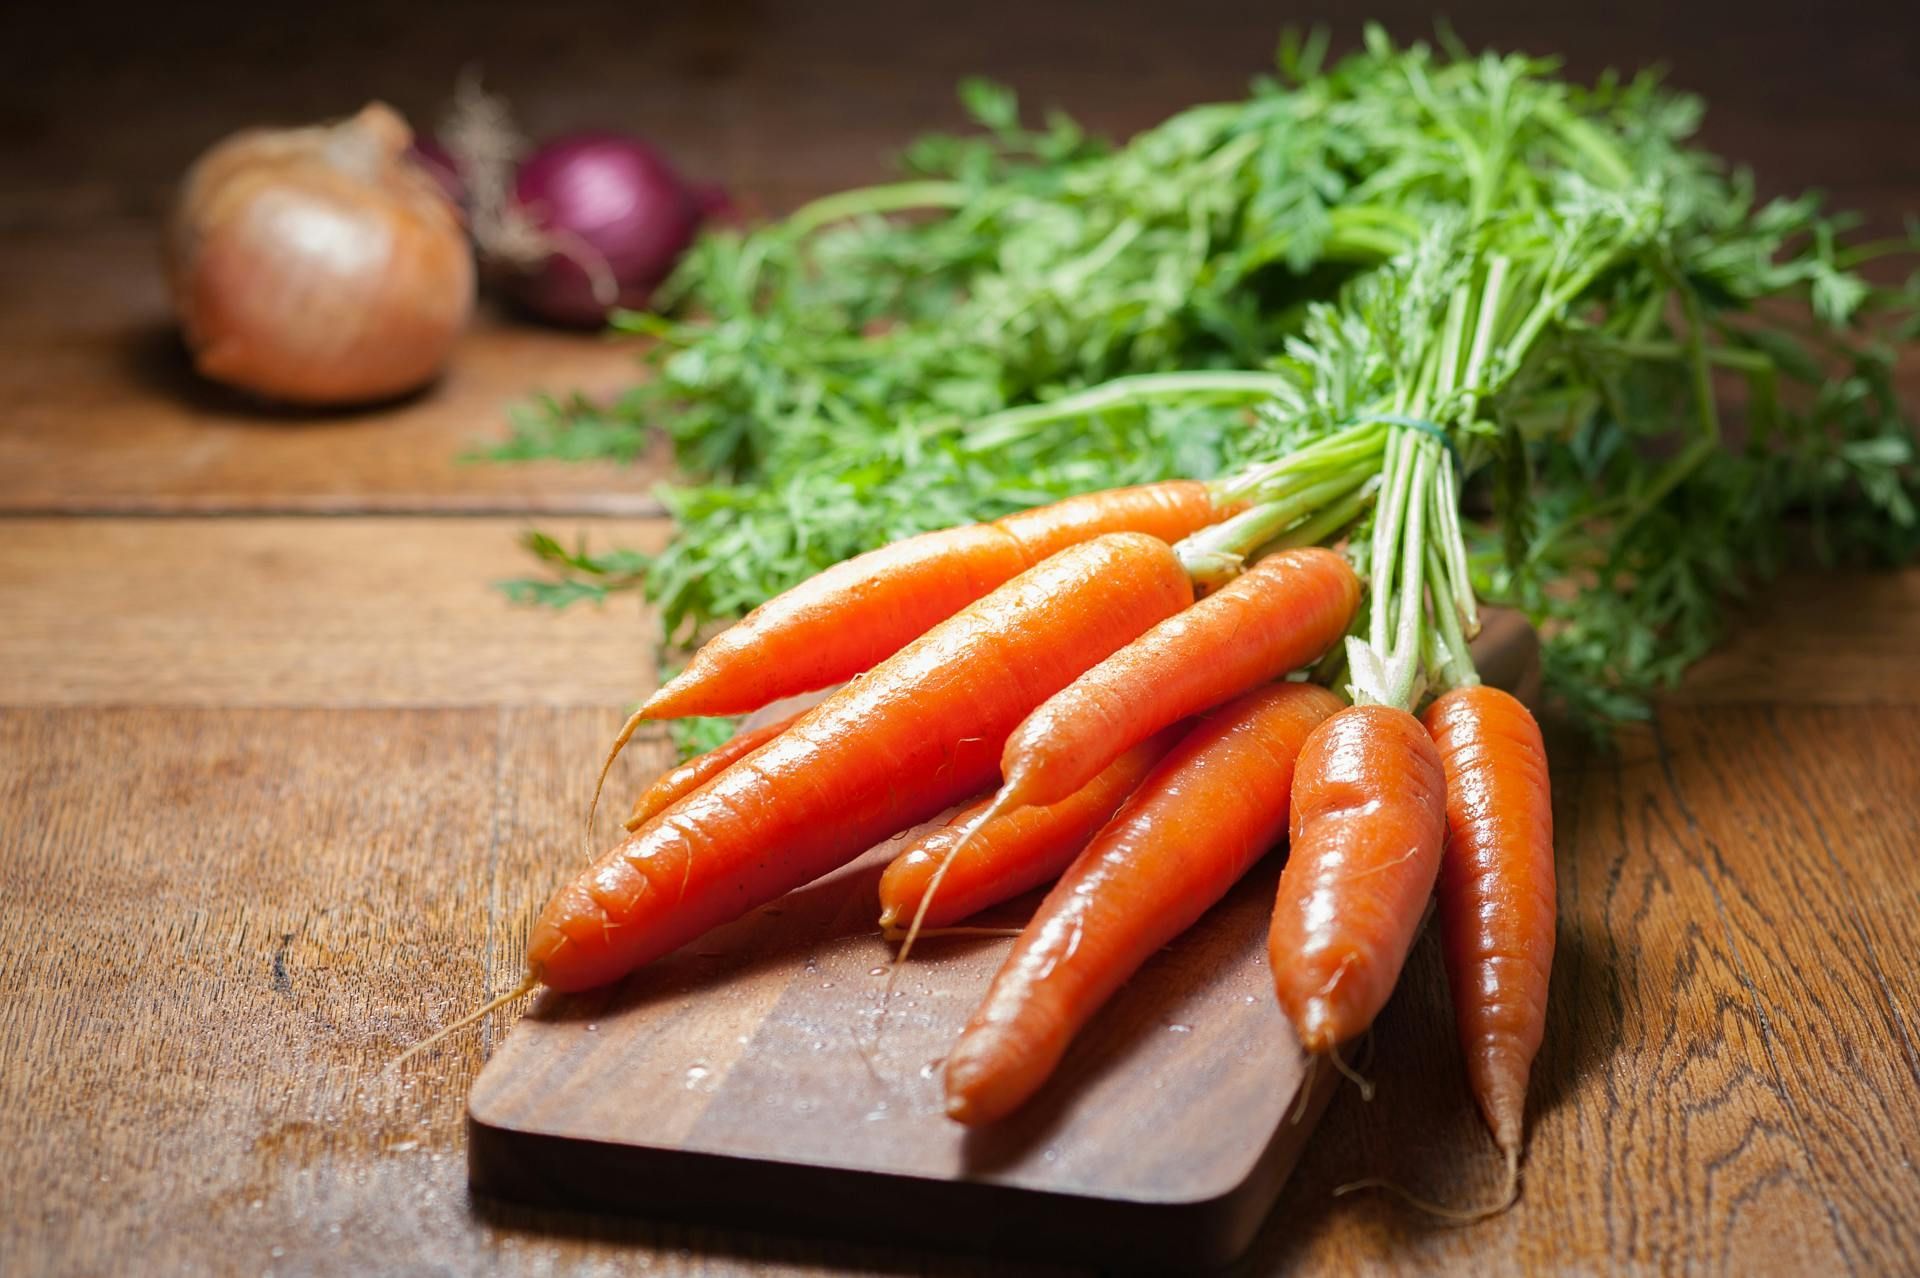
(697, 1075)
(877, 971)
(592, 1027)
(1178, 1028)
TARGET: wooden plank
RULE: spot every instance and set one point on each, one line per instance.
(295, 612)
(104, 412)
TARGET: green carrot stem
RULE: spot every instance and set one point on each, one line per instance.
(1330, 520)
(1250, 529)
(1123, 392)
(1358, 446)
(1387, 524)
(1461, 604)
(1459, 666)
(1402, 661)
(895, 197)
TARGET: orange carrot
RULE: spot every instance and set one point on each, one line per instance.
(839, 623)
(1013, 852)
(1169, 510)
(918, 733)
(1496, 894)
(676, 783)
(1369, 817)
(1211, 808)
(1276, 617)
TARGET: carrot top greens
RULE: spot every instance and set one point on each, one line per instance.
(1454, 281)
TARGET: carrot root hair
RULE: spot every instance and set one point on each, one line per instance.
(1509, 1195)
(889, 932)
(1351, 1074)
(912, 933)
(1001, 804)
(1306, 1091)
(619, 743)
(528, 984)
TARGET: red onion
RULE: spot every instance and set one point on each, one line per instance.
(615, 218)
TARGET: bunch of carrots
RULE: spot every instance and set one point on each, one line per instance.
(1136, 693)
(1115, 685)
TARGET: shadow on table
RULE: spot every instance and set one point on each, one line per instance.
(750, 1248)
(156, 360)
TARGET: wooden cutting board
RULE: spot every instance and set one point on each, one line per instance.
(750, 1080)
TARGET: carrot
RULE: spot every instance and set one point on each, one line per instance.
(919, 732)
(839, 623)
(1211, 808)
(1369, 817)
(1015, 851)
(1169, 510)
(1496, 895)
(676, 783)
(1279, 615)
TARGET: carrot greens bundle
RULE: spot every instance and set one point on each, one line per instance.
(1034, 313)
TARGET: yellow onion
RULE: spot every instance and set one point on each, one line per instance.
(319, 265)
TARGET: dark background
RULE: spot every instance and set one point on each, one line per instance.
(101, 106)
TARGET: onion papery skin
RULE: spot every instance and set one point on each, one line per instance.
(319, 266)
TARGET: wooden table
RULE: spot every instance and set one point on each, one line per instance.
(280, 792)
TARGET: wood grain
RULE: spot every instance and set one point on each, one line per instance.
(296, 612)
(105, 414)
(1825, 638)
(217, 927)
